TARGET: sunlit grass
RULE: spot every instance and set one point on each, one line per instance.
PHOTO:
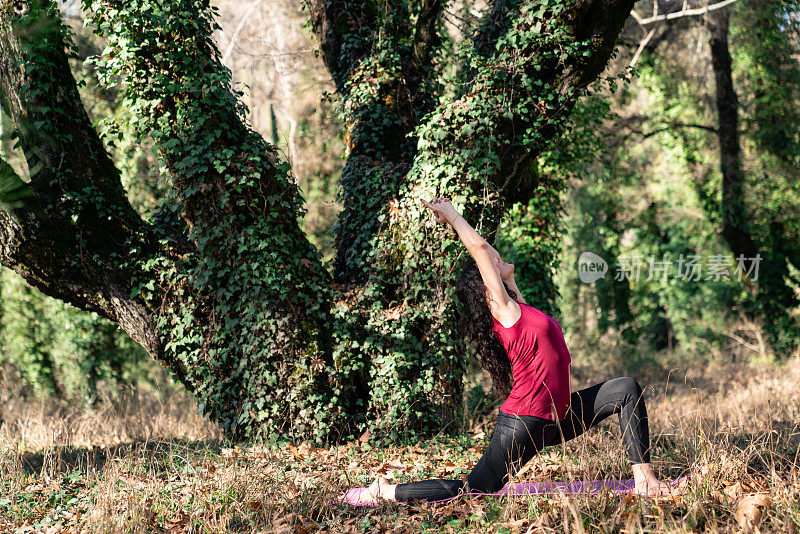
(145, 465)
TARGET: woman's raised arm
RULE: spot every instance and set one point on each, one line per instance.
(480, 249)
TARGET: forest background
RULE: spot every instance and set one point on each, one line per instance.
(644, 178)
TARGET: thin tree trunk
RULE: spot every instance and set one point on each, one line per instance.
(735, 228)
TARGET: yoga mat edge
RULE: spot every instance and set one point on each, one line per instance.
(525, 488)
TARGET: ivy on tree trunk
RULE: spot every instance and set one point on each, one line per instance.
(221, 285)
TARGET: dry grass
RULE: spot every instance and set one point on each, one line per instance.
(147, 465)
(135, 417)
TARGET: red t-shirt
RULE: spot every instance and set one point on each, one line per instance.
(540, 364)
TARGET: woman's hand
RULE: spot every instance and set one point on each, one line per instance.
(443, 211)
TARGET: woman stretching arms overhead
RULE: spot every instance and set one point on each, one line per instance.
(521, 345)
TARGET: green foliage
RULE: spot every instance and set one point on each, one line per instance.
(626, 210)
(26, 336)
(659, 197)
(50, 348)
(249, 319)
(394, 357)
(135, 158)
(766, 81)
(765, 57)
(530, 238)
(764, 35)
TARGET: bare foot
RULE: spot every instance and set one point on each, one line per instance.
(379, 490)
(646, 483)
(386, 489)
(651, 487)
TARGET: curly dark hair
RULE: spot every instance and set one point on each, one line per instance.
(475, 326)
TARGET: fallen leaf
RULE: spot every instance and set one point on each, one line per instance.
(515, 525)
(284, 524)
(297, 454)
(749, 512)
(734, 490)
(539, 524)
(179, 523)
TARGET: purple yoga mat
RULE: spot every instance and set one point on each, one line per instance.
(528, 488)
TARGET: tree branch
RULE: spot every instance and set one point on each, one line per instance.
(675, 124)
(600, 22)
(68, 239)
(642, 45)
(53, 124)
(254, 298)
(228, 178)
(682, 13)
(632, 125)
(396, 86)
(480, 148)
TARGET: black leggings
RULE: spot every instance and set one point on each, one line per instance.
(517, 438)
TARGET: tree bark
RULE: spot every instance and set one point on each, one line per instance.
(396, 86)
(410, 265)
(81, 241)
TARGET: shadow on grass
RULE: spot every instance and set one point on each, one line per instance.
(166, 453)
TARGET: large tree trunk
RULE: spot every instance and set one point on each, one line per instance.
(225, 289)
(478, 148)
(222, 287)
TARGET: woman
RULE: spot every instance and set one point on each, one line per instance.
(516, 340)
